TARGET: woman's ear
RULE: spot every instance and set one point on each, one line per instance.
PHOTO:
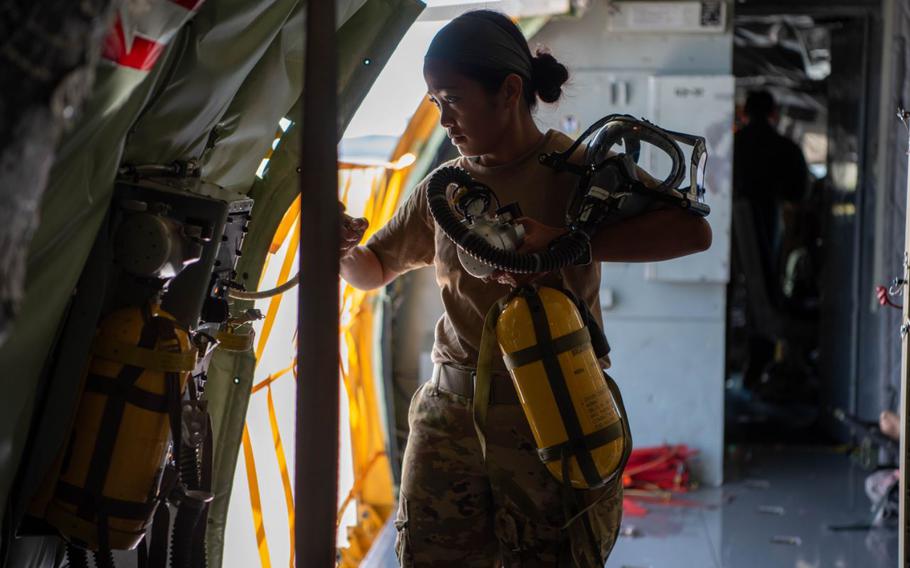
(512, 90)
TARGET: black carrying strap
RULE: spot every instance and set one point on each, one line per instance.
(624, 421)
(599, 342)
(560, 389)
(528, 355)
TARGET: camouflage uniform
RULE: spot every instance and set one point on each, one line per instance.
(456, 510)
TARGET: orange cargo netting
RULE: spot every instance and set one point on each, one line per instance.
(372, 490)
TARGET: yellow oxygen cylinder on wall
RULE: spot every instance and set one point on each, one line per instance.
(573, 408)
(105, 485)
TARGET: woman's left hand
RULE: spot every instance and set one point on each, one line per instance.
(537, 237)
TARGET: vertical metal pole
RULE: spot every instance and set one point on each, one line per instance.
(316, 439)
(904, 534)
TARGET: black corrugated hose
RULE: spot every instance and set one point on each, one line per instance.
(104, 558)
(77, 557)
(564, 252)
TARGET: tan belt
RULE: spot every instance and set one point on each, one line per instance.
(460, 381)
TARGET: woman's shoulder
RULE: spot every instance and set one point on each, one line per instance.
(456, 162)
(558, 141)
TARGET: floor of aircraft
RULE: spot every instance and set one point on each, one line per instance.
(785, 508)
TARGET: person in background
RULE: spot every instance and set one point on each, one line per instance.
(770, 174)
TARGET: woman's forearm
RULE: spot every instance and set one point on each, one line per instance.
(362, 269)
(655, 236)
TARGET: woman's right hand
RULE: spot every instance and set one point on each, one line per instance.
(352, 230)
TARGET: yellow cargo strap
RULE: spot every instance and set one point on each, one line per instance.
(272, 378)
(287, 221)
(283, 468)
(151, 359)
(275, 302)
(252, 479)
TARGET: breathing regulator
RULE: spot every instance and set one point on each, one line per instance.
(610, 189)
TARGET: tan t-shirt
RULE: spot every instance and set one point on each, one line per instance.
(412, 240)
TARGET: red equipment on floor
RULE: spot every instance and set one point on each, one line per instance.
(654, 475)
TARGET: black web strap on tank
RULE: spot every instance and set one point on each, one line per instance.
(590, 443)
(534, 353)
(549, 357)
(134, 395)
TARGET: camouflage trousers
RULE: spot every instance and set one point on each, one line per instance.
(457, 510)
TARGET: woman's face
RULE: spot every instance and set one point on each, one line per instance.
(475, 119)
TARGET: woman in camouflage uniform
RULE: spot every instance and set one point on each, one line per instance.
(457, 509)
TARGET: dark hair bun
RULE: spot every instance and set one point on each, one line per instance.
(548, 76)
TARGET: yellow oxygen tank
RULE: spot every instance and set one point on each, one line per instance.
(105, 485)
(563, 390)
